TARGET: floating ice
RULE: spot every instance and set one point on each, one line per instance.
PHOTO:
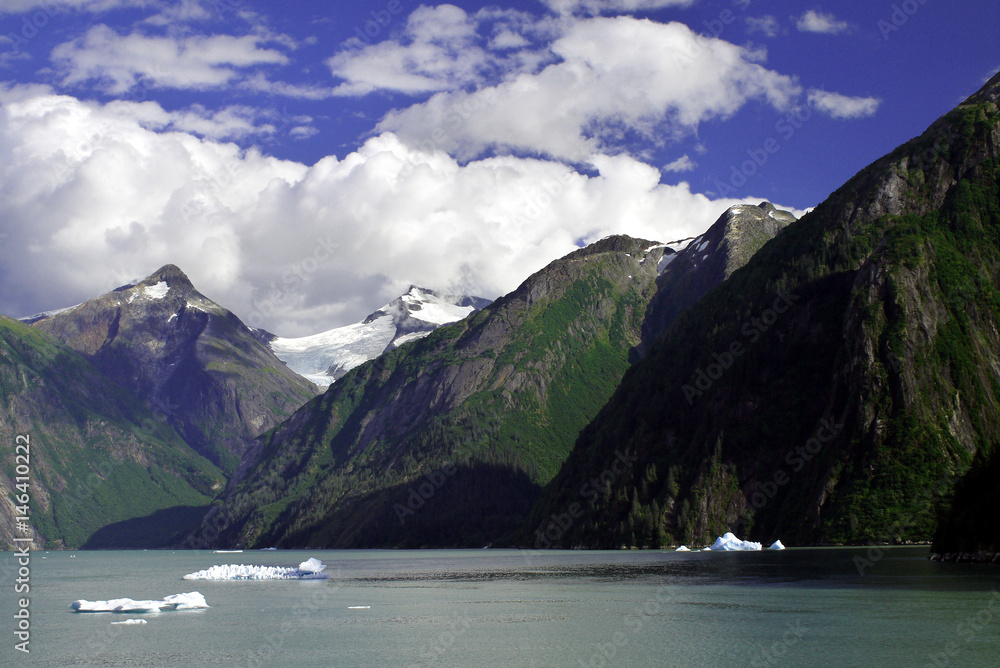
(683, 548)
(730, 543)
(359, 607)
(189, 601)
(777, 545)
(130, 622)
(311, 569)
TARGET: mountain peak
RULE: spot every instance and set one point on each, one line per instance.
(170, 274)
(990, 92)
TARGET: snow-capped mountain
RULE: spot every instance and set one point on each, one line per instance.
(327, 356)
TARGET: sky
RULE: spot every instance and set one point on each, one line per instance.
(304, 163)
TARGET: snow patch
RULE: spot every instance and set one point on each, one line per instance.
(310, 569)
(664, 262)
(171, 317)
(158, 291)
(189, 601)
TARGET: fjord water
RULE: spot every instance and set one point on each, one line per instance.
(518, 608)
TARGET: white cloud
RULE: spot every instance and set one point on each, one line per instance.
(842, 106)
(595, 7)
(119, 62)
(90, 198)
(437, 52)
(681, 164)
(766, 25)
(821, 22)
(616, 75)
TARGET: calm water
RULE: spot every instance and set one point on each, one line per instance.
(509, 608)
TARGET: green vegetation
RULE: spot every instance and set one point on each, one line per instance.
(97, 455)
(500, 397)
(892, 337)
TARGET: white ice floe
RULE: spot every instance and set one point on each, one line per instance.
(359, 607)
(683, 548)
(777, 545)
(189, 601)
(311, 569)
(730, 543)
(129, 622)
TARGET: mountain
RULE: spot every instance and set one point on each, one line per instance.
(102, 469)
(483, 410)
(187, 358)
(326, 357)
(830, 391)
(448, 440)
(707, 261)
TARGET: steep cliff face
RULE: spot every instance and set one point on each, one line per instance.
(101, 469)
(446, 440)
(709, 260)
(834, 388)
(192, 361)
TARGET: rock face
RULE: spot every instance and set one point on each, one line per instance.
(102, 469)
(192, 362)
(447, 440)
(707, 261)
(834, 388)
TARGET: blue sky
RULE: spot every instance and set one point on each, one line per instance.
(305, 162)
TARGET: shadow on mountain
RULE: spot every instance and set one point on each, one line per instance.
(164, 528)
(472, 506)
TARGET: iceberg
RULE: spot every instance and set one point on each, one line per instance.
(130, 622)
(730, 543)
(310, 569)
(777, 545)
(683, 548)
(190, 601)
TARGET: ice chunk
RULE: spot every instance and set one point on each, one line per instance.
(131, 621)
(776, 545)
(730, 543)
(311, 569)
(189, 601)
(312, 565)
(683, 548)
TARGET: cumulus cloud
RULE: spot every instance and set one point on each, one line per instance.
(821, 22)
(842, 106)
(615, 76)
(595, 7)
(117, 62)
(91, 197)
(438, 51)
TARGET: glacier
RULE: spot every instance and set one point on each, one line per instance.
(310, 569)
(325, 357)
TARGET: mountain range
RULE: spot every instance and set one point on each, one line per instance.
(828, 380)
